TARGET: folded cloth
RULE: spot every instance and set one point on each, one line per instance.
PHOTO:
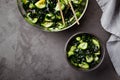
(111, 23)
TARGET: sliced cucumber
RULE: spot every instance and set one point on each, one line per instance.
(89, 59)
(83, 45)
(25, 1)
(31, 5)
(56, 29)
(76, 1)
(78, 38)
(96, 42)
(78, 14)
(40, 4)
(65, 2)
(72, 48)
(60, 25)
(97, 53)
(58, 17)
(47, 24)
(57, 7)
(74, 63)
(96, 58)
(70, 53)
(30, 20)
(35, 20)
(46, 19)
(84, 65)
(51, 29)
(49, 17)
(28, 15)
(71, 19)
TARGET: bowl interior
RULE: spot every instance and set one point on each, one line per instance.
(24, 14)
(67, 48)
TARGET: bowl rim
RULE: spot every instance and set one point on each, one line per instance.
(102, 49)
(38, 26)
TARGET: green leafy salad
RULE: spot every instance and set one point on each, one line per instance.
(46, 13)
(84, 51)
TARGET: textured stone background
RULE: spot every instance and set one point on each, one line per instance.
(26, 53)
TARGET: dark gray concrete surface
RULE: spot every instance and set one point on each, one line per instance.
(26, 53)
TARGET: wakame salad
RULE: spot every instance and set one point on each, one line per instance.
(84, 51)
(46, 13)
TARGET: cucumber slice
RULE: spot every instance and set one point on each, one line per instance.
(31, 6)
(49, 17)
(47, 24)
(58, 17)
(46, 19)
(35, 20)
(97, 53)
(70, 53)
(40, 4)
(76, 1)
(31, 21)
(25, 1)
(72, 48)
(89, 59)
(57, 7)
(84, 65)
(65, 2)
(83, 45)
(96, 58)
(96, 42)
(53, 29)
(78, 14)
(71, 19)
(78, 38)
(28, 15)
(74, 63)
(60, 25)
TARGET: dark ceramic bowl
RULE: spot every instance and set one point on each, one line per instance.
(102, 51)
(23, 12)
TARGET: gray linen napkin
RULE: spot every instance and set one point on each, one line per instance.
(111, 23)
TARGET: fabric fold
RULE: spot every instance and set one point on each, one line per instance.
(110, 21)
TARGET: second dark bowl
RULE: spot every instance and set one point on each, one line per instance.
(102, 50)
